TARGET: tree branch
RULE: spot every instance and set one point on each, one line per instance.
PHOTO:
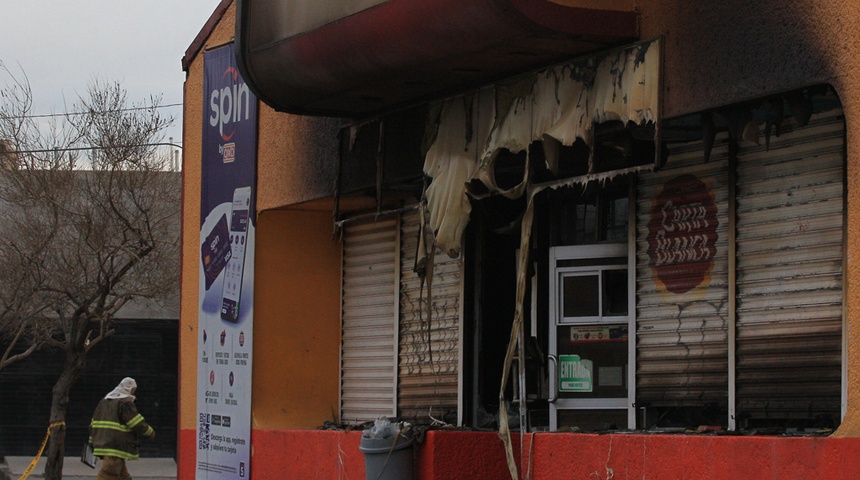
(7, 359)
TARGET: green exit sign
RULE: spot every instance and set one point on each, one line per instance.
(574, 374)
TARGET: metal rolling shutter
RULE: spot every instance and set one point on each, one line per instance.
(789, 283)
(682, 337)
(369, 314)
(429, 353)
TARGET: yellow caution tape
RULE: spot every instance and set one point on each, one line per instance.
(41, 449)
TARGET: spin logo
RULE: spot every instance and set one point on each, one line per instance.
(229, 104)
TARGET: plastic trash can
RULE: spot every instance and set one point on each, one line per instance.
(388, 458)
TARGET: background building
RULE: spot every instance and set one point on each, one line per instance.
(145, 347)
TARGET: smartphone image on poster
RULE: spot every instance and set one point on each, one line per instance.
(234, 271)
(215, 251)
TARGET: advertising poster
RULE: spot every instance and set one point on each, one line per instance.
(226, 314)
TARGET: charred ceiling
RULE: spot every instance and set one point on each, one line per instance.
(358, 58)
(589, 119)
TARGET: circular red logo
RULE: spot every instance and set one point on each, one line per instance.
(682, 234)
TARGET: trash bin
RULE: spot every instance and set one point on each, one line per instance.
(387, 452)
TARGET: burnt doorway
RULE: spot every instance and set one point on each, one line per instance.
(590, 317)
(491, 299)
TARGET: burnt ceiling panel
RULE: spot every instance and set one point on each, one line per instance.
(359, 58)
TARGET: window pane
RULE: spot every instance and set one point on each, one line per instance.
(600, 362)
(615, 293)
(581, 296)
(615, 219)
(586, 223)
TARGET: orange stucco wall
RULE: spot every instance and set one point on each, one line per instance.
(287, 143)
(296, 321)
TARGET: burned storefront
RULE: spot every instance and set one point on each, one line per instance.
(655, 255)
(487, 156)
(541, 220)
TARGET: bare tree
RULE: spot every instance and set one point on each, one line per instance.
(89, 215)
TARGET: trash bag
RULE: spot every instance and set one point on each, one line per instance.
(382, 428)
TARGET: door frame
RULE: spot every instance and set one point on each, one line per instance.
(593, 251)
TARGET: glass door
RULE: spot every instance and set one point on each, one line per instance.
(589, 342)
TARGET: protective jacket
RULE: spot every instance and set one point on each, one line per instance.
(115, 428)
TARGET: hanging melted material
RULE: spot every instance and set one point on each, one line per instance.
(556, 106)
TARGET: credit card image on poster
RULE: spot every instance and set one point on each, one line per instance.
(215, 251)
(235, 269)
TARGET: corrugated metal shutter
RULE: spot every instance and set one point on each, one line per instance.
(369, 319)
(682, 283)
(429, 352)
(789, 283)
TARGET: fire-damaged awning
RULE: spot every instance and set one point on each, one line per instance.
(357, 58)
(604, 104)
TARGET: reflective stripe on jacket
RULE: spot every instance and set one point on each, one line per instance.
(115, 427)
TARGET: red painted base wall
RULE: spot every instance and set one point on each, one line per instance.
(325, 454)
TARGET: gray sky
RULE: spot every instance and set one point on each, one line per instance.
(62, 45)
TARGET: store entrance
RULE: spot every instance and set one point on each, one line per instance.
(589, 338)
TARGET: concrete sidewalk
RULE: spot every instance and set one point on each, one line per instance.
(73, 469)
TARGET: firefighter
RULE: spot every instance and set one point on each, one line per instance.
(115, 430)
